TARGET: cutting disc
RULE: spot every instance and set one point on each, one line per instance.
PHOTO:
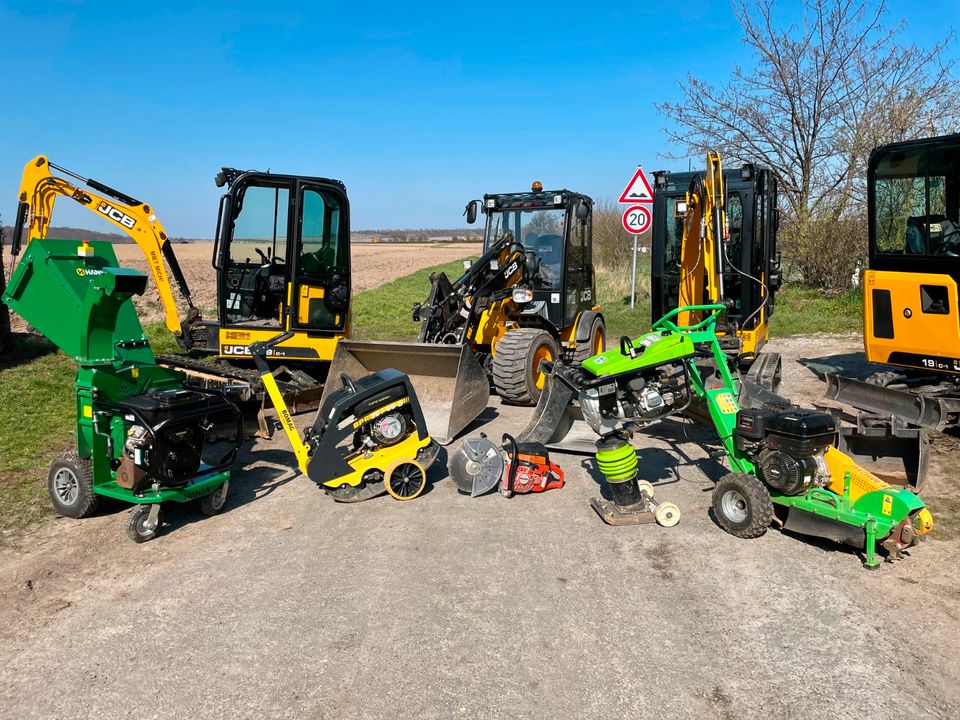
(477, 466)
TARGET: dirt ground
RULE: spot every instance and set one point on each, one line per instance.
(371, 266)
(290, 606)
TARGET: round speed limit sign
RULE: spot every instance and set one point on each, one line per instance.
(637, 219)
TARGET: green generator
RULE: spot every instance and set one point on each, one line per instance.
(142, 436)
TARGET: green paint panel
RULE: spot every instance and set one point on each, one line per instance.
(204, 485)
(652, 349)
(82, 304)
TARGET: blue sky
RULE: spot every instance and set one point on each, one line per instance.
(417, 107)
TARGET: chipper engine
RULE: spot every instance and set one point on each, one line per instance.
(142, 436)
(369, 436)
(783, 458)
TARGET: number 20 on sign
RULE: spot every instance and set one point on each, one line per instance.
(637, 219)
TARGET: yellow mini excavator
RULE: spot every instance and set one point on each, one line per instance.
(911, 303)
(282, 262)
(714, 240)
(39, 190)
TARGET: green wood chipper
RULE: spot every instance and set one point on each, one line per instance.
(142, 437)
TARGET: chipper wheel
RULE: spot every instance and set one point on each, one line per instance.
(742, 505)
(139, 526)
(214, 503)
(595, 345)
(516, 364)
(70, 484)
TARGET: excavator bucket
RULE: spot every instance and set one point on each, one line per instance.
(450, 384)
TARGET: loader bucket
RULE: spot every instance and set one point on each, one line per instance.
(557, 421)
(450, 384)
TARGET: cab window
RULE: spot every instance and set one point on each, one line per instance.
(260, 227)
(320, 242)
(917, 203)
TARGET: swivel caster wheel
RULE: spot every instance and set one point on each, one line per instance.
(143, 523)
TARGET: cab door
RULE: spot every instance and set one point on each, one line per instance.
(578, 266)
(320, 283)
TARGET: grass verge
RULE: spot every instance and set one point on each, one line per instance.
(36, 423)
(804, 311)
(384, 313)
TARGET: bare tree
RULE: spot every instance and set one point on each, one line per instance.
(6, 336)
(612, 245)
(818, 96)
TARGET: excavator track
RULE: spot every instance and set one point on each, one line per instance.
(243, 385)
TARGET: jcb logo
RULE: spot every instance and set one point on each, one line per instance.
(586, 295)
(510, 270)
(116, 215)
(245, 350)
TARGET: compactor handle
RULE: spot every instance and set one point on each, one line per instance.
(348, 383)
(277, 339)
(259, 350)
(626, 347)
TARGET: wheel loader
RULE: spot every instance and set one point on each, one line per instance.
(530, 297)
(281, 257)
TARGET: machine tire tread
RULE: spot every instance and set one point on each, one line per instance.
(511, 369)
(88, 501)
(133, 529)
(759, 511)
(585, 350)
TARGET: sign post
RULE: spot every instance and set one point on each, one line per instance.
(637, 218)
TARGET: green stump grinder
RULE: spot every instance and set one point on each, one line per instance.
(783, 460)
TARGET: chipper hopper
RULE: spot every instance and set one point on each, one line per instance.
(452, 387)
(141, 436)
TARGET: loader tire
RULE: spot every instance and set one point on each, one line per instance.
(742, 505)
(70, 484)
(596, 343)
(516, 373)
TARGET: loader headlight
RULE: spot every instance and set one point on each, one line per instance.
(522, 295)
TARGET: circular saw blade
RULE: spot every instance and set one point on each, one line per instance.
(477, 466)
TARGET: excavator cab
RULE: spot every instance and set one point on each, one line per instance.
(751, 250)
(282, 258)
(911, 314)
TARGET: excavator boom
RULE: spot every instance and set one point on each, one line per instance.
(39, 190)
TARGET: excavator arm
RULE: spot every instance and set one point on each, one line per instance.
(39, 190)
(704, 229)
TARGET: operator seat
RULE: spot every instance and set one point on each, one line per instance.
(550, 252)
